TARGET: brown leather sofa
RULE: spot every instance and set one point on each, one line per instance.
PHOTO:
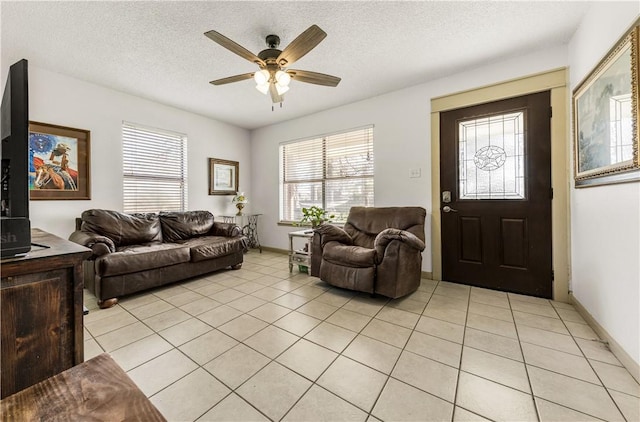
(135, 252)
(378, 251)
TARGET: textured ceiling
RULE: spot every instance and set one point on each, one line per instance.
(157, 50)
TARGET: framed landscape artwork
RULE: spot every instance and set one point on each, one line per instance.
(223, 177)
(605, 114)
(59, 159)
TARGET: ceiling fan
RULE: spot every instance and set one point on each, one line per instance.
(274, 75)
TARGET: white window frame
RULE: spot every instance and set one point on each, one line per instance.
(320, 145)
(154, 164)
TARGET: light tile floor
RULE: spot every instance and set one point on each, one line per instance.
(262, 344)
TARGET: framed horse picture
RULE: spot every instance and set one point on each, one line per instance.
(59, 159)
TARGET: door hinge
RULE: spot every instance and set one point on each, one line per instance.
(553, 275)
(550, 112)
(551, 193)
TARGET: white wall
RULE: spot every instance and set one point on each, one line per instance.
(605, 220)
(61, 100)
(401, 139)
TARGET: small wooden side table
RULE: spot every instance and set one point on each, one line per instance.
(300, 256)
(96, 390)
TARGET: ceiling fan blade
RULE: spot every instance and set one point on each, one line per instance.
(313, 77)
(304, 43)
(230, 79)
(275, 97)
(233, 47)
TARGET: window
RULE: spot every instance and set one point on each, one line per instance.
(334, 172)
(155, 169)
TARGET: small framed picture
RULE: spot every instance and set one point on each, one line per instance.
(59, 159)
(223, 177)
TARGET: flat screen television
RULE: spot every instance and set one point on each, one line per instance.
(15, 230)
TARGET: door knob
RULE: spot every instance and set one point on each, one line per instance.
(447, 208)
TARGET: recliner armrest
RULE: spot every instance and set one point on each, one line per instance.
(330, 233)
(388, 235)
(99, 245)
(226, 229)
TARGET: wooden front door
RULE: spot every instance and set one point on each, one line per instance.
(495, 179)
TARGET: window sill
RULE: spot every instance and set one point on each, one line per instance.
(307, 226)
(292, 224)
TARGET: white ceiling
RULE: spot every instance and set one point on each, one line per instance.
(157, 50)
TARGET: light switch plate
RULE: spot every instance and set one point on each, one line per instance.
(415, 173)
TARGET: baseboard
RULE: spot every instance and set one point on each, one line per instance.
(632, 366)
(427, 274)
(276, 250)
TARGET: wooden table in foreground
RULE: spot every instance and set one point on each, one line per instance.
(96, 390)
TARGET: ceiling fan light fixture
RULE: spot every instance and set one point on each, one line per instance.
(273, 78)
(262, 77)
(264, 88)
(283, 78)
(281, 88)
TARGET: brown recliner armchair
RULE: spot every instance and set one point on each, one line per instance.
(378, 251)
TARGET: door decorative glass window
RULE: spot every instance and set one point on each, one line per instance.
(491, 157)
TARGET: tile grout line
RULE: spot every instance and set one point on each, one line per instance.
(524, 361)
(313, 382)
(548, 370)
(386, 382)
(606, 389)
(273, 360)
(359, 333)
(464, 334)
(367, 412)
(568, 376)
(232, 390)
(174, 347)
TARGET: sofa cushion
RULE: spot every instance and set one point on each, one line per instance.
(185, 225)
(122, 229)
(349, 255)
(131, 259)
(209, 247)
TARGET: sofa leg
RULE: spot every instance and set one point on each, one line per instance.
(237, 266)
(104, 304)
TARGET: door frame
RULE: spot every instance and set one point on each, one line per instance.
(556, 82)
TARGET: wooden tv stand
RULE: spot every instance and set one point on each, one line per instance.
(41, 329)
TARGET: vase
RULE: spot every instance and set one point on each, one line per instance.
(240, 206)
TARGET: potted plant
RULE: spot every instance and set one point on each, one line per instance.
(315, 216)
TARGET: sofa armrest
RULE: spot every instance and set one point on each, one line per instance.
(388, 235)
(330, 233)
(226, 229)
(100, 245)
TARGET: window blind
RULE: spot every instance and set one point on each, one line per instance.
(333, 171)
(154, 169)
